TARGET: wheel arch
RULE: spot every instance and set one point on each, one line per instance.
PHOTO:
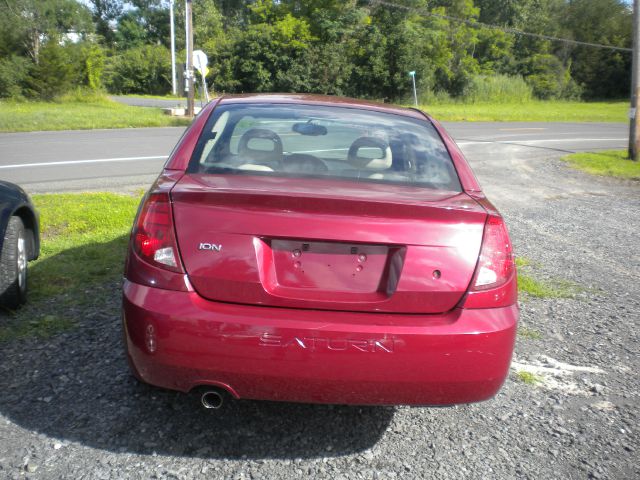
(30, 221)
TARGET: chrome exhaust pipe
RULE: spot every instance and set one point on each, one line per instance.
(211, 399)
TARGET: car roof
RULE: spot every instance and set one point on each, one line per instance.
(324, 100)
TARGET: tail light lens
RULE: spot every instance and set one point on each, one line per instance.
(153, 238)
(494, 283)
(496, 263)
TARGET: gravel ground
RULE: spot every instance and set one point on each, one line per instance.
(69, 409)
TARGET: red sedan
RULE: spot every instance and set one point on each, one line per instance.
(319, 249)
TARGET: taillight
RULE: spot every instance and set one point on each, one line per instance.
(494, 283)
(153, 237)
(496, 263)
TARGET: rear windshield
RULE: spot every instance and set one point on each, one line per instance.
(319, 141)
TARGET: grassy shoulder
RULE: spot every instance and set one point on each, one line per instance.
(535, 111)
(80, 114)
(84, 239)
(610, 163)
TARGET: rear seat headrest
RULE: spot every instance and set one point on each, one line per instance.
(271, 156)
(378, 156)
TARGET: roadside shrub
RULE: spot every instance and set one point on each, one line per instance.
(87, 62)
(60, 70)
(429, 97)
(144, 69)
(550, 79)
(14, 72)
(497, 89)
(94, 66)
(84, 95)
(54, 74)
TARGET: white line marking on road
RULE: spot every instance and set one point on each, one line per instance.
(520, 129)
(76, 162)
(555, 140)
(565, 140)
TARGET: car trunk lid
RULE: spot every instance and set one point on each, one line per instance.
(326, 244)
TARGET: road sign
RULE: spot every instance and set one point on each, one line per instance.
(200, 61)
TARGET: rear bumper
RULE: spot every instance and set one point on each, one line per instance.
(178, 340)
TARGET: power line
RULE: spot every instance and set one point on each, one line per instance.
(514, 31)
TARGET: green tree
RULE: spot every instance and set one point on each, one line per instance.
(132, 31)
(106, 13)
(217, 38)
(396, 42)
(269, 49)
(494, 52)
(603, 73)
(349, 47)
(155, 18)
(549, 78)
(145, 69)
(53, 75)
(14, 74)
(26, 24)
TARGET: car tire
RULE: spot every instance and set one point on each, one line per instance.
(13, 265)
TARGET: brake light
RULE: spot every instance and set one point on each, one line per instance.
(153, 238)
(496, 263)
(494, 283)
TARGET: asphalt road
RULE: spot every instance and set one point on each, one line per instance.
(130, 159)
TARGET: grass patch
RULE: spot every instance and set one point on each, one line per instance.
(528, 377)
(610, 163)
(84, 241)
(546, 289)
(534, 111)
(73, 113)
(42, 326)
(529, 333)
(531, 286)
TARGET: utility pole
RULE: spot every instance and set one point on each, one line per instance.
(189, 73)
(173, 49)
(634, 128)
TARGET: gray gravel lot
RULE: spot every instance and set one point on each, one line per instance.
(68, 408)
